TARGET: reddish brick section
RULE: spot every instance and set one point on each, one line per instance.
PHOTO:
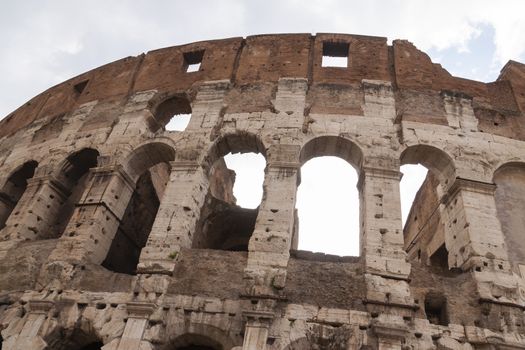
(255, 64)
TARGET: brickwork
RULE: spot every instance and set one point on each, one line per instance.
(118, 234)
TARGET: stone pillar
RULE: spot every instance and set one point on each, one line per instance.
(475, 241)
(390, 336)
(207, 106)
(256, 329)
(176, 218)
(135, 325)
(382, 237)
(272, 238)
(95, 221)
(30, 336)
(35, 212)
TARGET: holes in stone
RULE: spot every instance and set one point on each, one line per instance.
(13, 189)
(335, 54)
(436, 309)
(193, 61)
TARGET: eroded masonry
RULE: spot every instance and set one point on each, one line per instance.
(117, 234)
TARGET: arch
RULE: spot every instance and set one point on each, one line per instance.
(222, 223)
(76, 338)
(510, 206)
(198, 334)
(14, 188)
(147, 155)
(336, 156)
(434, 159)
(238, 142)
(336, 146)
(163, 109)
(78, 163)
(64, 192)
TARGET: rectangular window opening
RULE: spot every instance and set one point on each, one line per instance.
(335, 54)
(193, 60)
(79, 88)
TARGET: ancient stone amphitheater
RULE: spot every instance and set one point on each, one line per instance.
(119, 234)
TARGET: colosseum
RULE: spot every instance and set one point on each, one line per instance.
(119, 234)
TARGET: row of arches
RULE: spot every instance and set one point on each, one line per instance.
(222, 224)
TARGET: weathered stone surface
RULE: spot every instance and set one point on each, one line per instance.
(118, 234)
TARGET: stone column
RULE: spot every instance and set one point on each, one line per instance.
(390, 336)
(36, 210)
(256, 329)
(135, 325)
(272, 238)
(475, 241)
(95, 221)
(382, 237)
(176, 218)
(30, 336)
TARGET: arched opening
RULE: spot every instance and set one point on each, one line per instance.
(510, 206)
(327, 198)
(236, 176)
(68, 339)
(196, 342)
(427, 173)
(73, 178)
(13, 189)
(172, 114)
(141, 210)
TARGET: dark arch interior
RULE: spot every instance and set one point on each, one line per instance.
(13, 190)
(135, 226)
(196, 342)
(223, 224)
(73, 177)
(169, 108)
(93, 346)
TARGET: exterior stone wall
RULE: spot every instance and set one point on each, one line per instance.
(91, 180)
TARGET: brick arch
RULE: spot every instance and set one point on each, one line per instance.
(147, 155)
(336, 146)
(14, 187)
(238, 142)
(439, 162)
(163, 107)
(185, 334)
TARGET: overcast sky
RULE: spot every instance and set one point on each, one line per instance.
(46, 42)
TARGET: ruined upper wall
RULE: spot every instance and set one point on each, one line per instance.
(256, 63)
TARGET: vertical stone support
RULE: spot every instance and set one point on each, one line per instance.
(35, 212)
(208, 104)
(381, 223)
(271, 240)
(176, 218)
(30, 336)
(382, 237)
(256, 329)
(475, 241)
(135, 325)
(390, 337)
(95, 221)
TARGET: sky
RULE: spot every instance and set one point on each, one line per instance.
(46, 42)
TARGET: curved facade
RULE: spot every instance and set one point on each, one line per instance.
(118, 234)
